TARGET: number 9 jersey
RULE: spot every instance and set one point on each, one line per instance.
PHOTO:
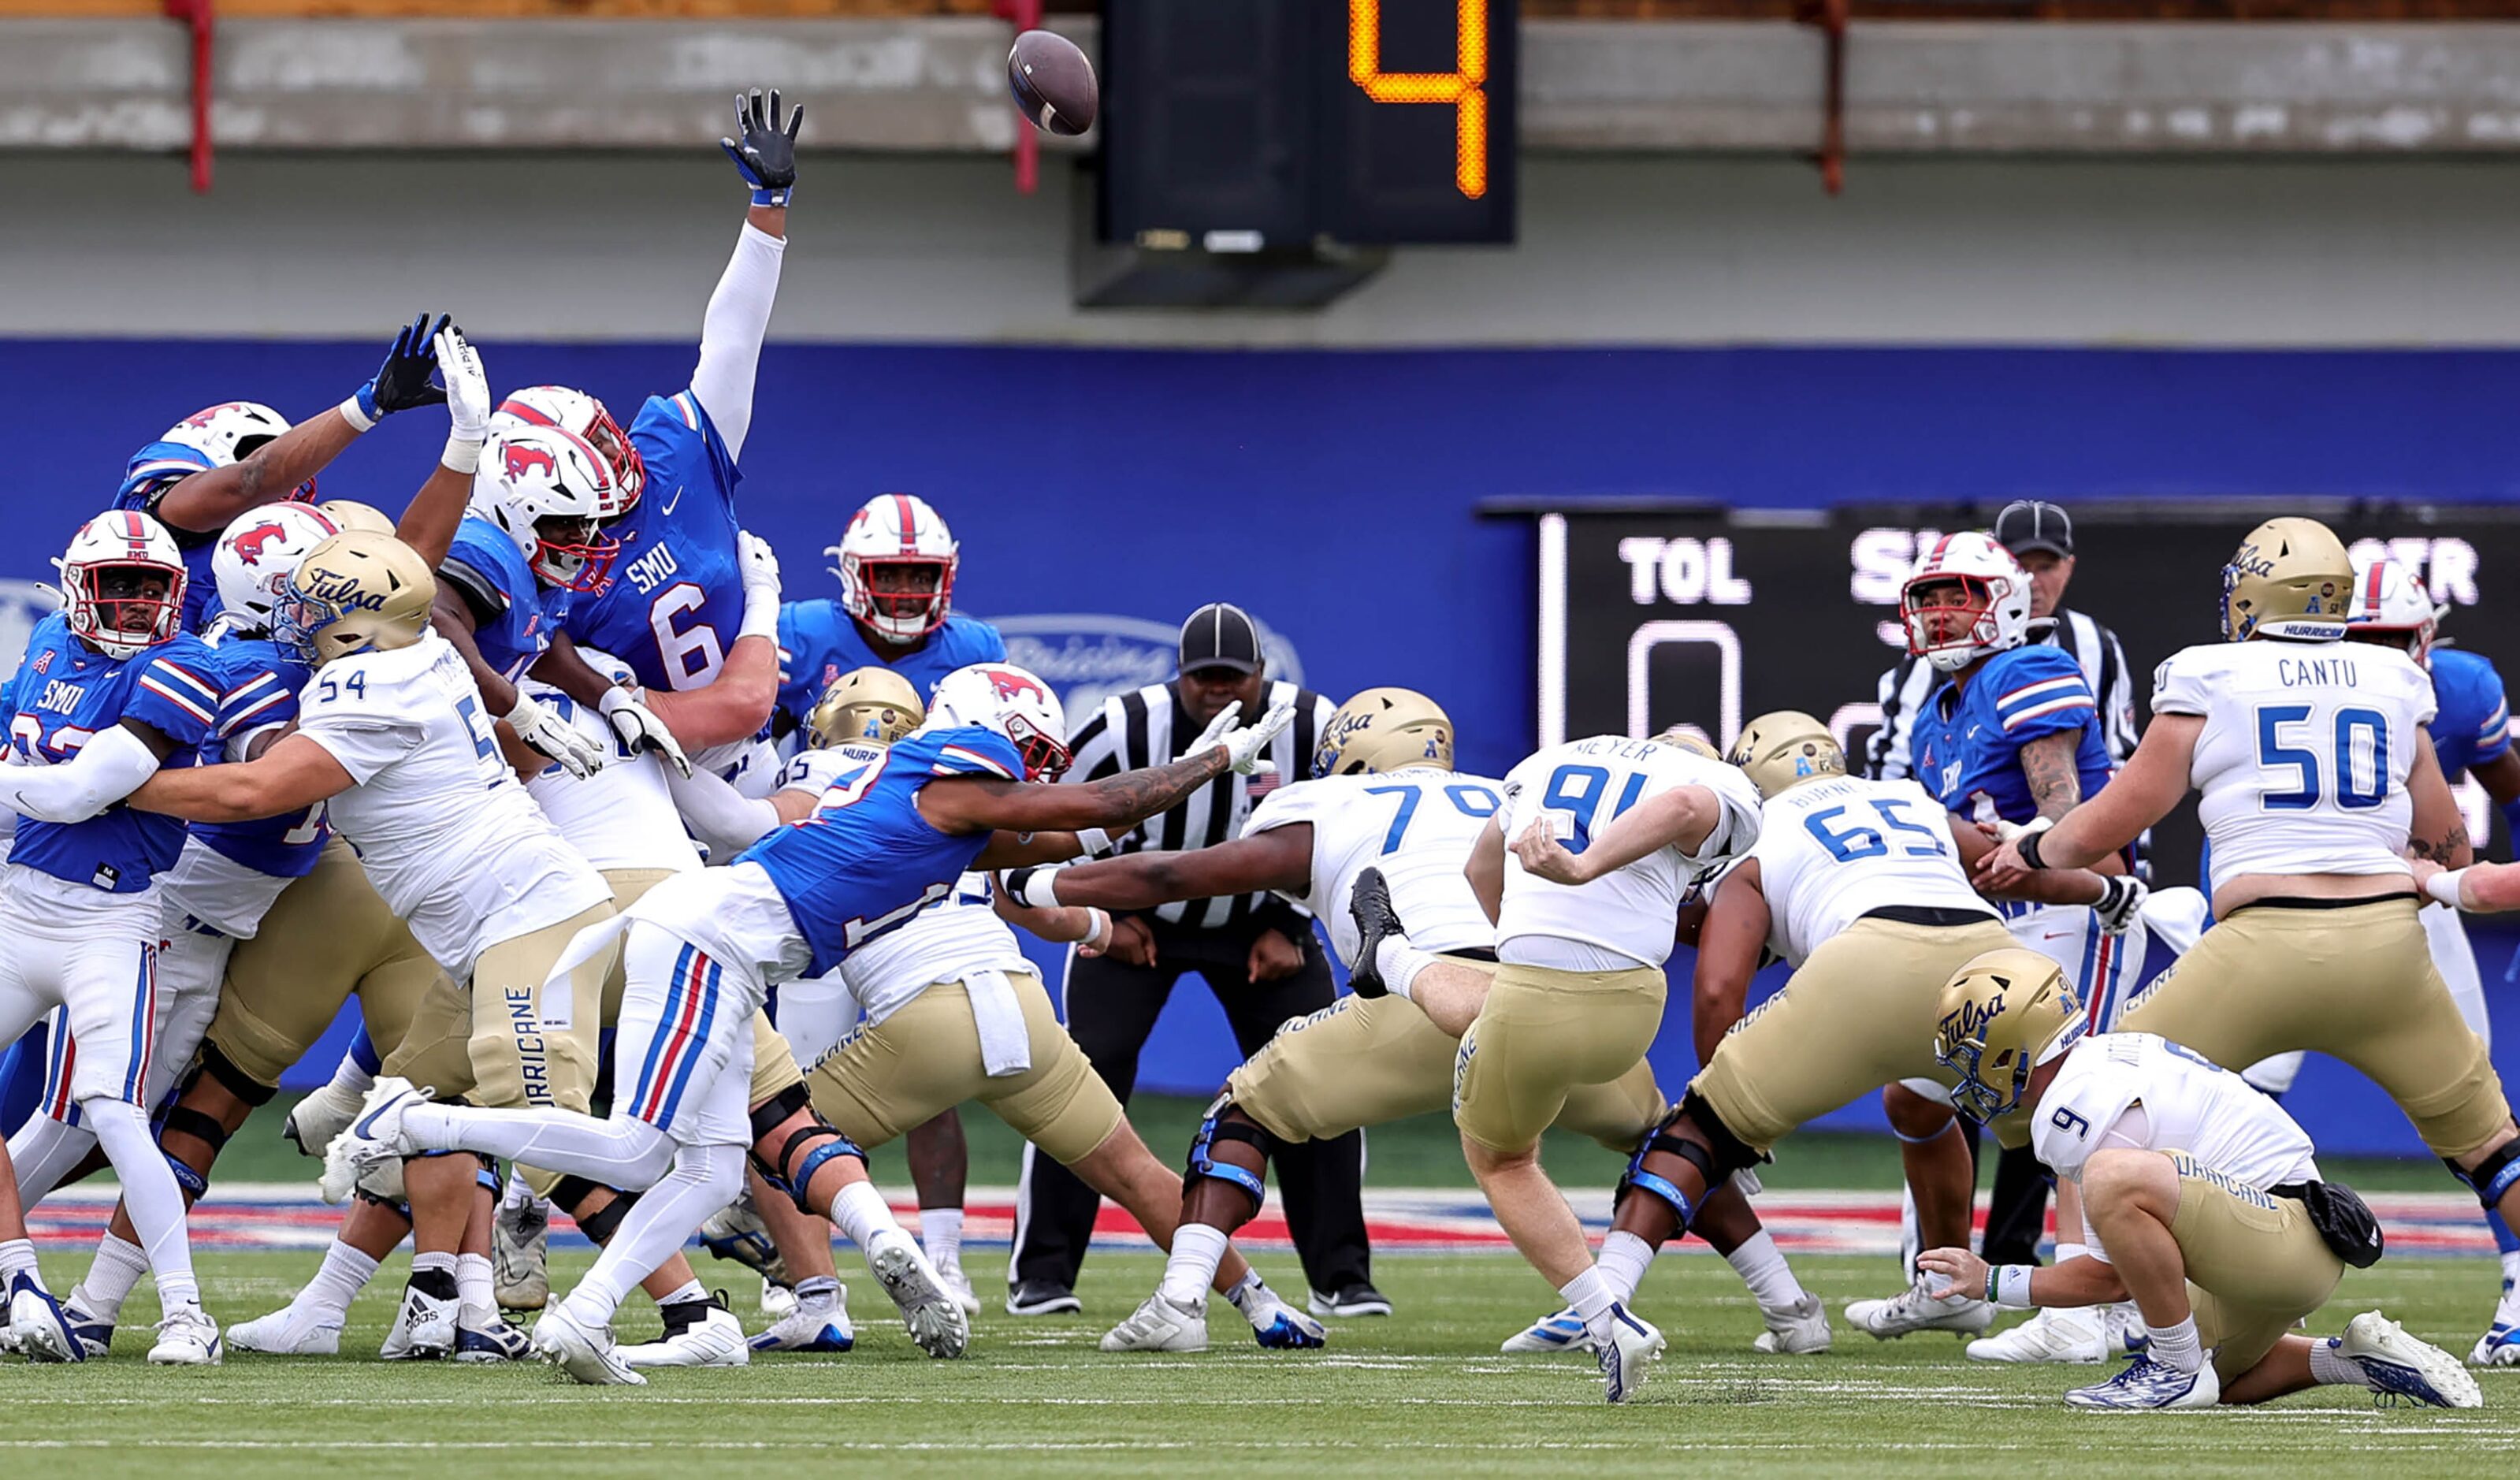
(2303, 761)
(1415, 825)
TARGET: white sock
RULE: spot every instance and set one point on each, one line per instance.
(2176, 1346)
(1590, 1295)
(149, 1193)
(2510, 1282)
(860, 1213)
(940, 1233)
(2065, 1251)
(1762, 1267)
(18, 1255)
(1399, 961)
(702, 1180)
(688, 1290)
(344, 1273)
(350, 1078)
(434, 1264)
(2328, 1370)
(110, 1276)
(474, 1292)
(1191, 1268)
(1623, 1260)
(817, 1292)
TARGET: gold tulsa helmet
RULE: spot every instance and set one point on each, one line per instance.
(347, 515)
(354, 593)
(1996, 1017)
(2289, 572)
(1384, 729)
(1784, 748)
(869, 703)
(1682, 738)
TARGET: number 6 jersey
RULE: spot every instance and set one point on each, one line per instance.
(2302, 765)
(1832, 851)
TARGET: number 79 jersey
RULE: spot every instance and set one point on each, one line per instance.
(1415, 825)
(1632, 911)
(2304, 757)
(1833, 851)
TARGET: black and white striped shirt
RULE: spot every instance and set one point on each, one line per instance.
(1149, 727)
(2093, 646)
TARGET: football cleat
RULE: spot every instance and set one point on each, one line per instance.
(697, 1333)
(1800, 1329)
(1278, 1326)
(491, 1340)
(1368, 904)
(95, 1333)
(937, 1324)
(1040, 1297)
(583, 1354)
(2052, 1334)
(1358, 1299)
(187, 1338)
(778, 1301)
(2500, 1346)
(313, 1123)
(521, 1251)
(1626, 1346)
(424, 1329)
(2147, 1385)
(288, 1332)
(1559, 1331)
(1159, 1325)
(1913, 1309)
(374, 1136)
(959, 1285)
(2123, 1324)
(820, 1328)
(2397, 1363)
(38, 1329)
(735, 1232)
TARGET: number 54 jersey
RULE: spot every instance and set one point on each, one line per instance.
(1832, 852)
(1415, 825)
(2304, 757)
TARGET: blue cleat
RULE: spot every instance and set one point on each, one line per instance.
(1626, 1348)
(37, 1327)
(1560, 1332)
(2401, 1367)
(2149, 1386)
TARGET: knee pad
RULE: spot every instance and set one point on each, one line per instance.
(183, 1120)
(570, 1191)
(399, 1208)
(1732, 1152)
(2494, 1177)
(1728, 1154)
(1215, 1128)
(224, 1071)
(488, 1178)
(794, 1174)
(600, 1226)
(772, 1113)
(192, 1183)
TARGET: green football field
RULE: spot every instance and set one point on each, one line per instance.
(1424, 1392)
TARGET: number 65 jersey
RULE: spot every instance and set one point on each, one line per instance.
(1832, 852)
(2302, 765)
(1415, 825)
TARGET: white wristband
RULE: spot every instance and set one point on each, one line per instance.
(351, 412)
(2444, 886)
(760, 619)
(2012, 1286)
(1097, 928)
(1095, 841)
(462, 455)
(1038, 889)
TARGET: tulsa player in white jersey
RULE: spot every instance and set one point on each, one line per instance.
(2201, 1202)
(1579, 988)
(2319, 780)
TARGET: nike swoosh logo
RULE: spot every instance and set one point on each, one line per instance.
(368, 1122)
(668, 510)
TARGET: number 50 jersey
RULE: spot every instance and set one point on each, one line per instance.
(2304, 757)
(1832, 852)
(1415, 825)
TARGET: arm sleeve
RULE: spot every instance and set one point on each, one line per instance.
(732, 332)
(725, 819)
(106, 768)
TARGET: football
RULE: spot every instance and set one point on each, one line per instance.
(1053, 84)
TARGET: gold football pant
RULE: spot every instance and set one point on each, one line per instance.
(2256, 1264)
(1541, 1035)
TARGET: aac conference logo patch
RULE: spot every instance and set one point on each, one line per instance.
(1090, 656)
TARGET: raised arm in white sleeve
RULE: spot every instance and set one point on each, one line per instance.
(106, 768)
(731, 334)
(725, 819)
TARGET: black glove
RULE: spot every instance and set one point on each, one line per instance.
(767, 155)
(402, 382)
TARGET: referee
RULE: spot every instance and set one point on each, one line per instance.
(1255, 951)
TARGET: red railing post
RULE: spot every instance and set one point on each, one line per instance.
(197, 14)
(1023, 16)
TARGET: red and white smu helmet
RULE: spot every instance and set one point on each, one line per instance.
(897, 564)
(230, 433)
(584, 416)
(1013, 702)
(107, 578)
(1993, 596)
(257, 551)
(548, 490)
(2386, 597)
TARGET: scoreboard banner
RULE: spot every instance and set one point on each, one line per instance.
(1654, 616)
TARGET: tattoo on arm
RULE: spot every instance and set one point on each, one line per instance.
(2047, 765)
(2444, 849)
(1133, 795)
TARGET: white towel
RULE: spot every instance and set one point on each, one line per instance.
(1006, 1040)
(558, 995)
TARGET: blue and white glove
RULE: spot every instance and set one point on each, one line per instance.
(402, 382)
(764, 150)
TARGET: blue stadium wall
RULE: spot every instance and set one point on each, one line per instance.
(1332, 491)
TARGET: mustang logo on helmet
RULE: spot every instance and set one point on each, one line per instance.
(1010, 685)
(249, 545)
(521, 461)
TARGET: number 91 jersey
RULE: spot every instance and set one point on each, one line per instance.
(1415, 825)
(1635, 910)
(2304, 757)
(1832, 851)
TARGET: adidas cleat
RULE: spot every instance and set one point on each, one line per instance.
(288, 1332)
(2149, 1386)
(697, 1333)
(1626, 1346)
(1800, 1329)
(1561, 1331)
(816, 1329)
(1159, 1325)
(587, 1356)
(1914, 1309)
(937, 1324)
(2403, 1367)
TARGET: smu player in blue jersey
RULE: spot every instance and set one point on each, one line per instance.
(109, 692)
(898, 561)
(223, 459)
(704, 949)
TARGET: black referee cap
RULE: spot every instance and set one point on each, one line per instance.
(1219, 635)
(2027, 525)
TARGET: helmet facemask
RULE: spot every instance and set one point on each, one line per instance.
(573, 553)
(1044, 756)
(901, 598)
(1949, 618)
(122, 606)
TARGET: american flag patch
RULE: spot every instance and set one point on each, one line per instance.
(1261, 786)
